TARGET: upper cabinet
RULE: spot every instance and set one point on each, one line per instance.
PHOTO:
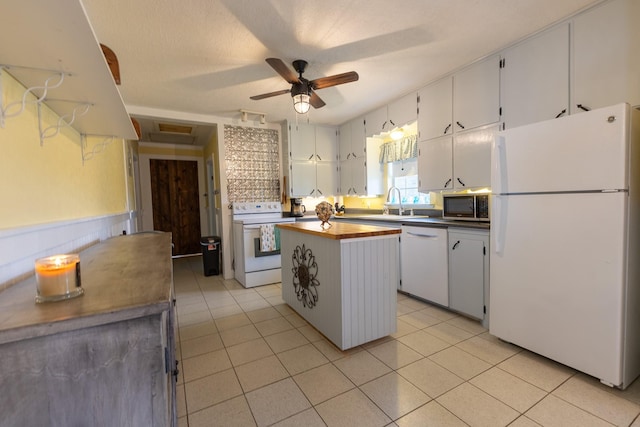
(352, 139)
(458, 162)
(534, 79)
(58, 36)
(311, 160)
(476, 89)
(326, 143)
(606, 64)
(402, 111)
(302, 141)
(435, 164)
(359, 174)
(376, 122)
(435, 109)
(466, 100)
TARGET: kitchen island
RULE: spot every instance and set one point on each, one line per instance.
(342, 279)
(104, 358)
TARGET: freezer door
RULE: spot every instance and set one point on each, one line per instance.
(583, 152)
(557, 277)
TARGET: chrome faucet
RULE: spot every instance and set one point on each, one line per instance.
(401, 210)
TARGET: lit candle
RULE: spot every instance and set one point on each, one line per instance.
(58, 277)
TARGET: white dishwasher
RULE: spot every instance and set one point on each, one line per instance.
(424, 263)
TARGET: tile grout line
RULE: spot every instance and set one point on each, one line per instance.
(474, 334)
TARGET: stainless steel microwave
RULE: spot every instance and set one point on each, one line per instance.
(468, 207)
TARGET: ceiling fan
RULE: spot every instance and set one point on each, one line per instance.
(303, 90)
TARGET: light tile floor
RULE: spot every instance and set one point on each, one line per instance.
(247, 359)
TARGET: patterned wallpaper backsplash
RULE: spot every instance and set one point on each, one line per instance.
(252, 163)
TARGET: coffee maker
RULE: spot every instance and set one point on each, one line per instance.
(297, 208)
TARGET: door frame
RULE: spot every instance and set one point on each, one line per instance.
(212, 202)
(145, 183)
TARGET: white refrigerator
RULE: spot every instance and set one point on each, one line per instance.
(565, 230)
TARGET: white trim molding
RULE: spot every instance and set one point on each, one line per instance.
(19, 247)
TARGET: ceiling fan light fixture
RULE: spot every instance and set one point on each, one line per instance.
(301, 103)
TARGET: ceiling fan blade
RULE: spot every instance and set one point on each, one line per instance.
(283, 69)
(270, 94)
(316, 101)
(334, 80)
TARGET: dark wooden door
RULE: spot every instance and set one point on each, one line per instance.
(175, 201)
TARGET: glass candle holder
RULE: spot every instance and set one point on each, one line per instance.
(58, 278)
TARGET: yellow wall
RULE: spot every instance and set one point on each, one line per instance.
(50, 183)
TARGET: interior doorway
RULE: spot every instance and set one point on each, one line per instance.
(175, 202)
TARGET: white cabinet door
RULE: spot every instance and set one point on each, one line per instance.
(435, 163)
(303, 178)
(534, 79)
(353, 177)
(374, 169)
(476, 94)
(467, 256)
(403, 111)
(344, 142)
(377, 121)
(326, 143)
(423, 263)
(358, 176)
(472, 158)
(358, 137)
(606, 63)
(326, 179)
(435, 109)
(302, 141)
(346, 177)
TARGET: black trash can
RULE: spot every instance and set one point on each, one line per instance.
(210, 246)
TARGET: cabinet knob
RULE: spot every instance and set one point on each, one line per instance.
(455, 245)
(583, 107)
(447, 129)
(447, 183)
(460, 124)
(561, 113)
(461, 183)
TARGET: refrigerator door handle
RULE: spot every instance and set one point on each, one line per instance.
(498, 172)
(498, 222)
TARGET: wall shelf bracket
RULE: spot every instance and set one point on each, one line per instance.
(16, 108)
(79, 110)
(97, 148)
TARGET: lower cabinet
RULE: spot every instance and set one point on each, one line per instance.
(423, 263)
(469, 272)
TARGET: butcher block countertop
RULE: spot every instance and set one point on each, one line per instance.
(339, 230)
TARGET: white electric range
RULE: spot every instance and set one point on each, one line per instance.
(252, 266)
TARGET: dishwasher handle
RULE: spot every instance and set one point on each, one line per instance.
(427, 236)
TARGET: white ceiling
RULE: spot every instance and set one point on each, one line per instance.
(207, 56)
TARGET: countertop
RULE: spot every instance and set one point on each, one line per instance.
(416, 220)
(338, 230)
(123, 278)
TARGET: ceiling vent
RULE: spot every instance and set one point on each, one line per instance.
(174, 134)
